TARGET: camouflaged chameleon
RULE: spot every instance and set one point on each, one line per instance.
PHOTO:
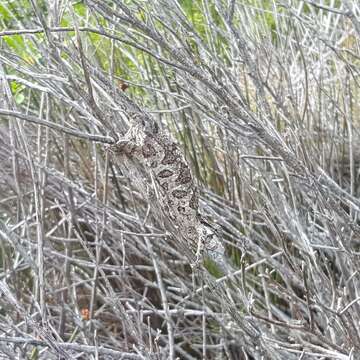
(175, 189)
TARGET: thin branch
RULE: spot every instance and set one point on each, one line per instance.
(57, 127)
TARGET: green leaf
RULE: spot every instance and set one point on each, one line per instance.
(19, 98)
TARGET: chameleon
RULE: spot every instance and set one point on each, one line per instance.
(170, 177)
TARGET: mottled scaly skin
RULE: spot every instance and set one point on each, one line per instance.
(174, 185)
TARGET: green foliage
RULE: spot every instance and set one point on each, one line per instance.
(80, 9)
(5, 14)
(194, 14)
(213, 268)
(34, 354)
(15, 42)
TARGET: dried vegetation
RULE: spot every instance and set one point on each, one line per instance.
(263, 97)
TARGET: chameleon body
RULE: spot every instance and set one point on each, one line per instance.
(174, 185)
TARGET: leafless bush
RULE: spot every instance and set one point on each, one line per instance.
(263, 98)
